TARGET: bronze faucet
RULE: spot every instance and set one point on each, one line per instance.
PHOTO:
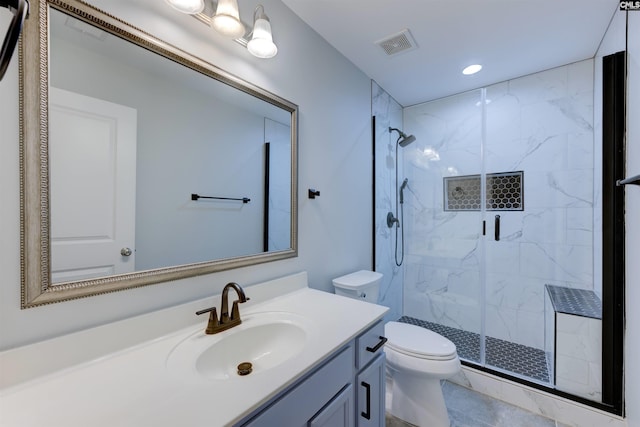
(226, 321)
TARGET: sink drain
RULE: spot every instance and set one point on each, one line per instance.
(245, 368)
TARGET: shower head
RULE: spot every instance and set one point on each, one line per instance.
(403, 138)
(406, 140)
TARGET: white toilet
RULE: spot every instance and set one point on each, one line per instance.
(417, 359)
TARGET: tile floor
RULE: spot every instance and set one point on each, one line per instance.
(468, 408)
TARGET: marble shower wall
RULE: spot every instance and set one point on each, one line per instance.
(541, 124)
(387, 113)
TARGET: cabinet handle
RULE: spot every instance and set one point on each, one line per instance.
(367, 414)
(377, 346)
(496, 231)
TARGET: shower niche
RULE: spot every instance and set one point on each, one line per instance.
(503, 192)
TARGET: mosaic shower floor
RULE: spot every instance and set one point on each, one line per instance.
(507, 356)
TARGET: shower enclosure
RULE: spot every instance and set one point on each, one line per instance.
(500, 212)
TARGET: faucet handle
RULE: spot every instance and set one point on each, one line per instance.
(235, 311)
(212, 324)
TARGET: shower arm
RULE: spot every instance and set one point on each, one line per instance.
(400, 133)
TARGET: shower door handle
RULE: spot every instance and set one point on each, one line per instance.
(496, 230)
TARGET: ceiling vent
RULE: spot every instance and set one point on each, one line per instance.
(396, 43)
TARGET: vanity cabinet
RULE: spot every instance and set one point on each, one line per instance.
(346, 390)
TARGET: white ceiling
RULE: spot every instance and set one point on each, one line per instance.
(510, 38)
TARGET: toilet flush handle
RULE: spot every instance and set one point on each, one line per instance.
(383, 340)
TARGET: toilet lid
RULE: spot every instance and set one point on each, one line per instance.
(358, 281)
(418, 342)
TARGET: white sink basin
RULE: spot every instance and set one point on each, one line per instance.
(265, 340)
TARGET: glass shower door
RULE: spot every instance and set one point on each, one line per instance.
(503, 254)
(444, 268)
(539, 146)
(515, 334)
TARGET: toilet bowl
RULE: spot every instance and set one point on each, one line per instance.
(417, 360)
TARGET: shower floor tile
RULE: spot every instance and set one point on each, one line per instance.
(514, 358)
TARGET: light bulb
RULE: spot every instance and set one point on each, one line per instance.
(226, 21)
(261, 44)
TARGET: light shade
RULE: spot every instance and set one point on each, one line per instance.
(187, 6)
(261, 43)
(226, 21)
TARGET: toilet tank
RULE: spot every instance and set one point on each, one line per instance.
(363, 285)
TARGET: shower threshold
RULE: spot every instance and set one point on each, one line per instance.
(515, 359)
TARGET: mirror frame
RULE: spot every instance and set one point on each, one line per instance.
(35, 250)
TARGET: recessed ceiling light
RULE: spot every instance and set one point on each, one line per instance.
(472, 69)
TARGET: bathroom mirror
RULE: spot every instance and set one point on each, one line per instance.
(141, 163)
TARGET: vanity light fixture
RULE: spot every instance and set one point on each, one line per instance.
(226, 21)
(261, 44)
(472, 69)
(190, 7)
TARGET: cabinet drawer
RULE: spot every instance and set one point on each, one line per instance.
(369, 344)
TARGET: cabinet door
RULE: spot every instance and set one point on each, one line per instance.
(371, 394)
(338, 412)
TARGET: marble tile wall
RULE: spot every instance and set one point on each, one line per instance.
(387, 113)
(541, 124)
(579, 356)
(443, 266)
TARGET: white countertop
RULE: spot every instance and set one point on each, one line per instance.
(133, 387)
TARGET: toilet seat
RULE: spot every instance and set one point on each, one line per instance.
(418, 342)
